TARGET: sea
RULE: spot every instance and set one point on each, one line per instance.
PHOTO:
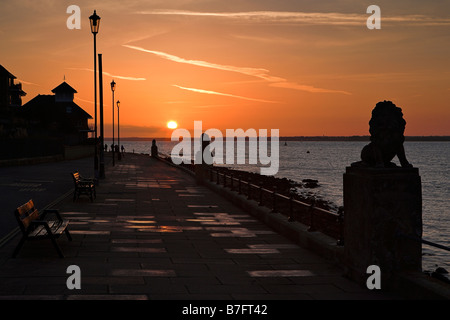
(325, 161)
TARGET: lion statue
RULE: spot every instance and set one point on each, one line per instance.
(387, 128)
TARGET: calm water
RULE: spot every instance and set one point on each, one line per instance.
(326, 162)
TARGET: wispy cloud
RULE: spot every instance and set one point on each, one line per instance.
(222, 94)
(28, 83)
(83, 100)
(111, 75)
(271, 16)
(311, 18)
(255, 72)
(301, 87)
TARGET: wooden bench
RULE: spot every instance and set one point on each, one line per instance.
(36, 226)
(83, 186)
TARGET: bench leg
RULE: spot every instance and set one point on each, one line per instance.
(55, 244)
(19, 246)
(75, 195)
(68, 234)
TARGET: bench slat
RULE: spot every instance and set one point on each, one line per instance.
(56, 228)
(27, 213)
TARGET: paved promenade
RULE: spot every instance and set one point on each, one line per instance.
(153, 234)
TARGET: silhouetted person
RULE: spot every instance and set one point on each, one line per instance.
(123, 151)
(154, 149)
(203, 159)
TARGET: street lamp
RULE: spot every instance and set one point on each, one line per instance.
(113, 88)
(95, 24)
(119, 156)
(102, 131)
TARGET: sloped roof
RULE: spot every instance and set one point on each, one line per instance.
(4, 71)
(64, 87)
(45, 105)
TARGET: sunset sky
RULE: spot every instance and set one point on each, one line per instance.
(303, 67)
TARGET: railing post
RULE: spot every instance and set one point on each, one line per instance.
(260, 195)
(340, 220)
(239, 185)
(291, 209)
(312, 227)
(231, 182)
(249, 189)
(224, 180)
(274, 199)
(218, 177)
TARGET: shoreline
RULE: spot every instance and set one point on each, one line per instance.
(284, 186)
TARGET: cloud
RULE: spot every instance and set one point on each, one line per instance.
(255, 72)
(222, 94)
(311, 18)
(271, 16)
(88, 101)
(296, 86)
(111, 75)
(124, 77)
(28, 83)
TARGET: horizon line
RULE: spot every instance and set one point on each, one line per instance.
(298, 136)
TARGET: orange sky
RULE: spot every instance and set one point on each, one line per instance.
(302, 67)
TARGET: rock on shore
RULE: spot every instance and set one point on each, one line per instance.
(284, 186)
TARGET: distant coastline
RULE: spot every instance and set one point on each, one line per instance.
(316, 138)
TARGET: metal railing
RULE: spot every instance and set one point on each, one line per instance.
(427, 242)
(317, 219)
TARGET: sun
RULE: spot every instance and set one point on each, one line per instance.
(172, 125)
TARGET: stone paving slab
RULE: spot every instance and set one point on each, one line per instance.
(152, 233)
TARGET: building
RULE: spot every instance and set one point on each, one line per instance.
(10, 93)
(58, 116)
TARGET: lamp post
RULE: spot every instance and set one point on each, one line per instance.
(113, 88)
(102, 132)
(119, 156)
(95, 24)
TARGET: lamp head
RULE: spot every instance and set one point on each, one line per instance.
(95, 22)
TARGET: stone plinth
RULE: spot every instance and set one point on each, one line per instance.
(382, 206)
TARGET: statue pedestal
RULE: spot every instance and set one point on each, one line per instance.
(382, 206)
